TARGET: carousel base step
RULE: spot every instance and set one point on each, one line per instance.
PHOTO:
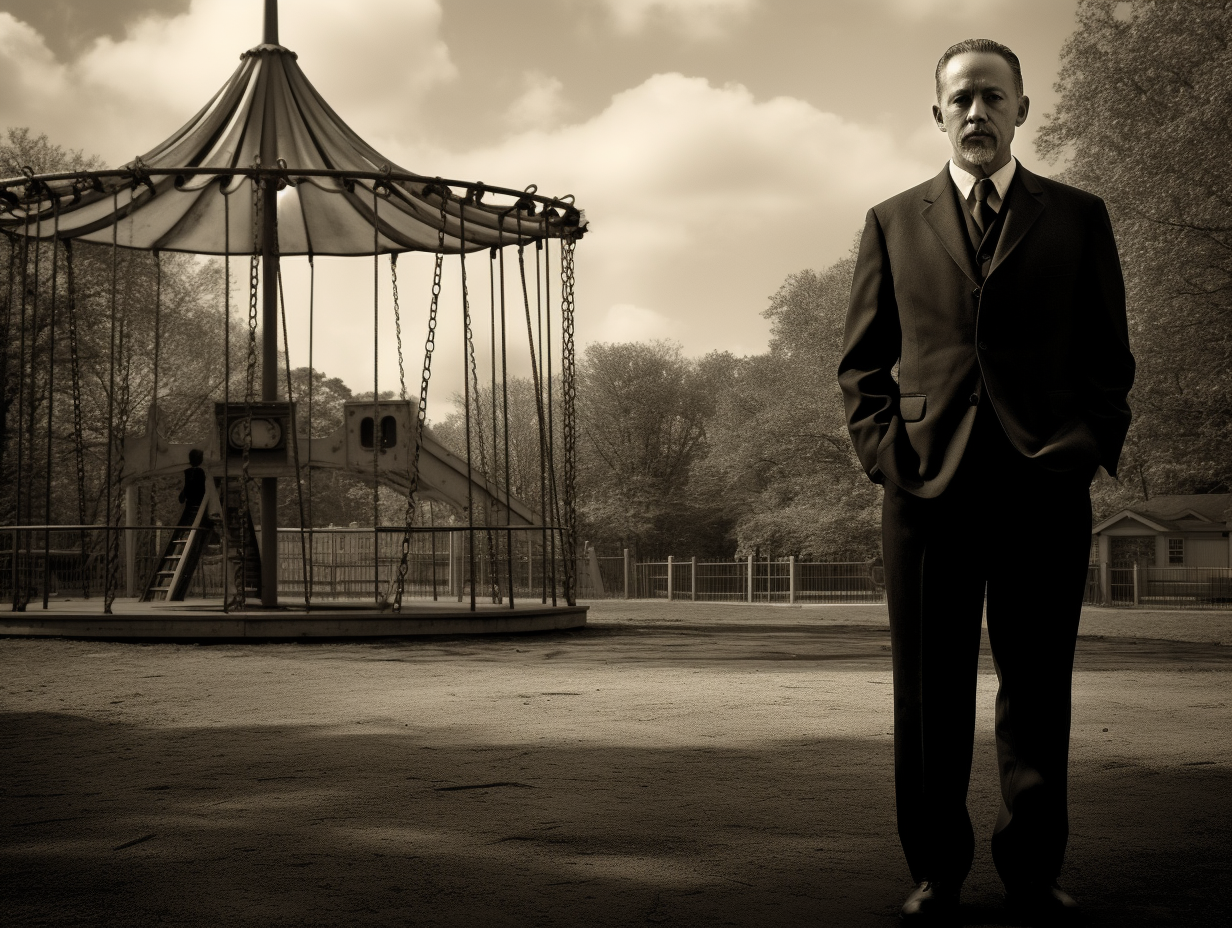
(205, 620)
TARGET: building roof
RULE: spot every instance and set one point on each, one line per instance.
(1211, 507)
(1182, 513)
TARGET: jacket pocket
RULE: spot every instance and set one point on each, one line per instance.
(911, 406)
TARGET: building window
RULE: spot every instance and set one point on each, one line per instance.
(1176, 552)
(1124, 551)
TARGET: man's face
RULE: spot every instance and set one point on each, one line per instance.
(979, 110)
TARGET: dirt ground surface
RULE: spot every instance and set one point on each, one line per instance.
(671, 764)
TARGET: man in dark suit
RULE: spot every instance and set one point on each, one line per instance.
(985, 373)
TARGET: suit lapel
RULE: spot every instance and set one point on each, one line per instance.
(1024, 207)
(940, 211)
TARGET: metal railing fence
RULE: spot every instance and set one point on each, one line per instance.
(1160, 587)
(354, 564)
(360, 565)
(345, 564)
(760, 580)
(786, 580)
(1092, 594)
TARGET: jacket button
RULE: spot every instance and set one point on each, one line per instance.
(976, 293)
(974, 399)
(983, 346)
(985, 258)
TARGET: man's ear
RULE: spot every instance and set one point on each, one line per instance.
(1024, 104)
(939, 117)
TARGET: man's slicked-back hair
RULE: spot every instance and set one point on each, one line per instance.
(980, 45)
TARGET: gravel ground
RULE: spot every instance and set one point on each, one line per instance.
(684, 764)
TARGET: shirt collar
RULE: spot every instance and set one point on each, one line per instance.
(965, 181)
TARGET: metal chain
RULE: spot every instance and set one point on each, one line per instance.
(225, 502)
(6, 339)
(19, 563)
(393, 275)
(250, 375)
(377, 433)
(79, 450)
(25, 476)
(305, 564)
(4, 378)
(569, 391)
(539, 409)
(483, 457)
(108, 592)
(125, 344)
(422, 413)
(51, 392)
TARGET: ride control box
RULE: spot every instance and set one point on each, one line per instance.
(265, 429)
(389, 425)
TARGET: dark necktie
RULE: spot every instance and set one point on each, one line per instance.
(982, 213)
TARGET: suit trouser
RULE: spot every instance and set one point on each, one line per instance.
(1006, 527)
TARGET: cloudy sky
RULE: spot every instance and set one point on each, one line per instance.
(716, 145)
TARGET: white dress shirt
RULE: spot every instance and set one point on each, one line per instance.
(965, 182)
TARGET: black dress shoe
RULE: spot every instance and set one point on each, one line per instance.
(1044, 905)
(931, 904)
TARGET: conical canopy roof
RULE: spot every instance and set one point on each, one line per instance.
(269, 98)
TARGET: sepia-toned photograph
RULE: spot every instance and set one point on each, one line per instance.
(615, 462)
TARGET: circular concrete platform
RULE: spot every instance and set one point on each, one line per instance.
(202, 620)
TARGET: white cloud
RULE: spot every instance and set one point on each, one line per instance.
(924, 9)
(625, 322)
(701, 198)
(29, 74)
(697, 19)
(121, 97)
(540, 106)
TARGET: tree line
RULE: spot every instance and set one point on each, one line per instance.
(718, 455)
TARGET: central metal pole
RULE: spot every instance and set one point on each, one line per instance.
(271, 22)
(269, 320)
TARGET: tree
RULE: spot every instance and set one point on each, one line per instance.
(779, 450)
(643, 410)
(173, 302)
(336, 497)
(1145, 121)
(488, 441)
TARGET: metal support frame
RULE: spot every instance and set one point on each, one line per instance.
(559, 218)
(269, 328)
(130, 540)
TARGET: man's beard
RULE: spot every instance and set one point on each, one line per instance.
(976, 152)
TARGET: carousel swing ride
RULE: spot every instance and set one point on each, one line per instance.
(268, 170)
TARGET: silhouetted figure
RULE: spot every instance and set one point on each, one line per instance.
(194, 487)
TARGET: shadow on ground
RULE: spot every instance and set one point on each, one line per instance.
(121, 824)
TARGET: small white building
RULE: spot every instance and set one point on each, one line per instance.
(1168, 548)
(1168, 531)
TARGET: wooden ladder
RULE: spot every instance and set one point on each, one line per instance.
(180, 557)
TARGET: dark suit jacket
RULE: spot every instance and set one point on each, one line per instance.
(1043, 339)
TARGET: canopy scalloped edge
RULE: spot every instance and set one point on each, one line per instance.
(197, 191)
